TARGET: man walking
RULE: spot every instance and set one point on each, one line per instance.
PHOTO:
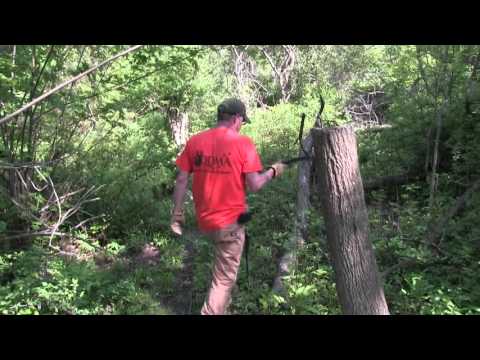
(224, 164)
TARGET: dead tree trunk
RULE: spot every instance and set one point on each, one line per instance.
(299, 235)
(179, 127)
(242, 68)
(282, 68)
(436, 160)
(359, 286)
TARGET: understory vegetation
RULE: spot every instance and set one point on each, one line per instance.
(87, 174)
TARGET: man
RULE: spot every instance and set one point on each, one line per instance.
(223, 164)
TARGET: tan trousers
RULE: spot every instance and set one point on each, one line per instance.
(228, 244)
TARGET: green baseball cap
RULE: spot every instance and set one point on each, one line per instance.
(234, 106)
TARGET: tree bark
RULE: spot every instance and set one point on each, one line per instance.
(359, 286)
(178, 126)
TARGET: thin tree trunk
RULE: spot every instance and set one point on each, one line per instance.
(297, 240)
(358, 282)
(178, 126)
(241, 72)
(53, 144)
(446, 85)
(435, 160)
(282, 71)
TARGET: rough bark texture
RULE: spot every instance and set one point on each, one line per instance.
(359, 286)
(179, 127)
(299, 235)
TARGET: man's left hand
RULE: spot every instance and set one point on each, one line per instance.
(177, 221)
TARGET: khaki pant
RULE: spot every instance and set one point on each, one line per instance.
(228, 244)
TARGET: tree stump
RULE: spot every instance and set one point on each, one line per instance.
(358, 282)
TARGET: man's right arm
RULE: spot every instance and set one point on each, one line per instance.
(255, 181)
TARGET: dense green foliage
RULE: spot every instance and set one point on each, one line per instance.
(111, 133)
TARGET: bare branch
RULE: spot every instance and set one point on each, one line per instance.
(65, 83)
(30, 164)
(57, 225)
(19, 174)
(36, 188)
(87, 220)
(33, 234)
(270, 61)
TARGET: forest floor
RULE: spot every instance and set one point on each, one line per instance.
(182, 298)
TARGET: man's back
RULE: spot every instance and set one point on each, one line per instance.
(219, 159)
(222, 161)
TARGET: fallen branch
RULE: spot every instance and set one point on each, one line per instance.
(403, 264)
(408, 263)
(388, 181)
(18, 173)
(51, 230)
(87, 220)
(49, 233)
(17, 165)
(59, 222)
(65, 83)
(34, 234)
(437, 229)
(371, 128)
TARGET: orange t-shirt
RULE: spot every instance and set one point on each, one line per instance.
(219, 158)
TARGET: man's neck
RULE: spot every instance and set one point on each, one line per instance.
(227, 125)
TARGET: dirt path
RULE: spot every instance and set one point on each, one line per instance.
(182, 299)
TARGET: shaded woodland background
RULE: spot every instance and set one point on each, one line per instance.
(87, 174)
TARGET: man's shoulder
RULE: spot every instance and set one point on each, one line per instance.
(244, 139)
